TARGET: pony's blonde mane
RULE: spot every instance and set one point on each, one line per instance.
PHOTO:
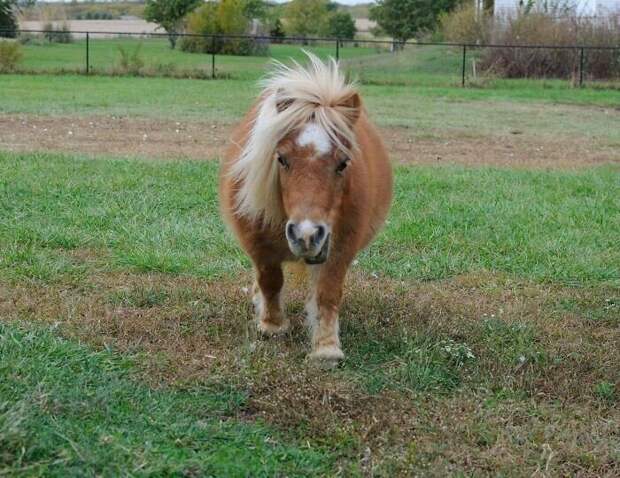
(292, 96)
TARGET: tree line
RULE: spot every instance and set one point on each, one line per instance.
(399, 19)
(297, 18)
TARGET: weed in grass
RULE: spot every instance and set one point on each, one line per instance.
(512, 343)
(402, 361)
(605, 391)
(130, 61)
(599, 312)
(141, 298)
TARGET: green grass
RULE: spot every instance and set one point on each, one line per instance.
(154, 216)
(553, 113)
(104, 56)
(552, 226)
(66, 410)
(481, 327)
(492, 324)
(416, 65)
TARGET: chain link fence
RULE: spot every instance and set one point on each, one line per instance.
(370, 61)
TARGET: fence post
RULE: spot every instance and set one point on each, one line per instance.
(581, 65)
(463, 71)
(337, 49)
(212, 57)
(87, 53)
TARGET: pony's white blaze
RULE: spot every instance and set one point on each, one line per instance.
(315, 136)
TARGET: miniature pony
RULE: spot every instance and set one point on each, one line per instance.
(306, 179)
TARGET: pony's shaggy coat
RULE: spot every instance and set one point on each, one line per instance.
(305, 158)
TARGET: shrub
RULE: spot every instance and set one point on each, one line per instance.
(64, 34)
(224, 18)
(305, 18)
(29, 39)
(96, 15)
(406, 19)
(57, 34)
(539, 28)
(8, 22)
(277, 31)
(10, 55)
(130, 62)
(465, 25)
(602, 64)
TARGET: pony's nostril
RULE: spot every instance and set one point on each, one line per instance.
(319, 234)
(290, 231)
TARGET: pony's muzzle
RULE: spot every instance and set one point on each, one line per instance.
(308, 240)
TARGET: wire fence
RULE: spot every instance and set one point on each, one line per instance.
(371, 61)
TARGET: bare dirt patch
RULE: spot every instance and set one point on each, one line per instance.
(113, 136)
(166, 139)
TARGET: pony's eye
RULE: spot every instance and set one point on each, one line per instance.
(282, 160)
(341, 166)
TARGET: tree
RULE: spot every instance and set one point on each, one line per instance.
(254, 9)
(403, 19)
(277, 32)
(341, 25)
(169, 14)
(218, 20)
(306, 17)
(231, 17)
(8, 22)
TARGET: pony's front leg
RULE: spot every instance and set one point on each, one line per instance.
(322, 313)
(266, 296)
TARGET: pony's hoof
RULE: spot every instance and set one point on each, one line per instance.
(269, 328)
(326, 357)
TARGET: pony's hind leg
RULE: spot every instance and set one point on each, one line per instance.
(266, 296)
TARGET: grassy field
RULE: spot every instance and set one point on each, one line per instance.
(482, 328)
(488, 286)
(528, 108)
(158, 58)
(416, 65)
(554, 226)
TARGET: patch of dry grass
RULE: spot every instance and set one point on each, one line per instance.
(529, 402)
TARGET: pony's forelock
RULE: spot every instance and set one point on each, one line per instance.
(291, 97)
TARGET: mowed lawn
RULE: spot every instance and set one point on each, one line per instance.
(157, 58)
(559, 227)
(528, 108)
(415, 65)
(482, 328)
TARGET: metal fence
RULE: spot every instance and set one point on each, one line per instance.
(372, 61)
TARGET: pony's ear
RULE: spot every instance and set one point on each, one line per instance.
(352, 107)
(282, 103)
